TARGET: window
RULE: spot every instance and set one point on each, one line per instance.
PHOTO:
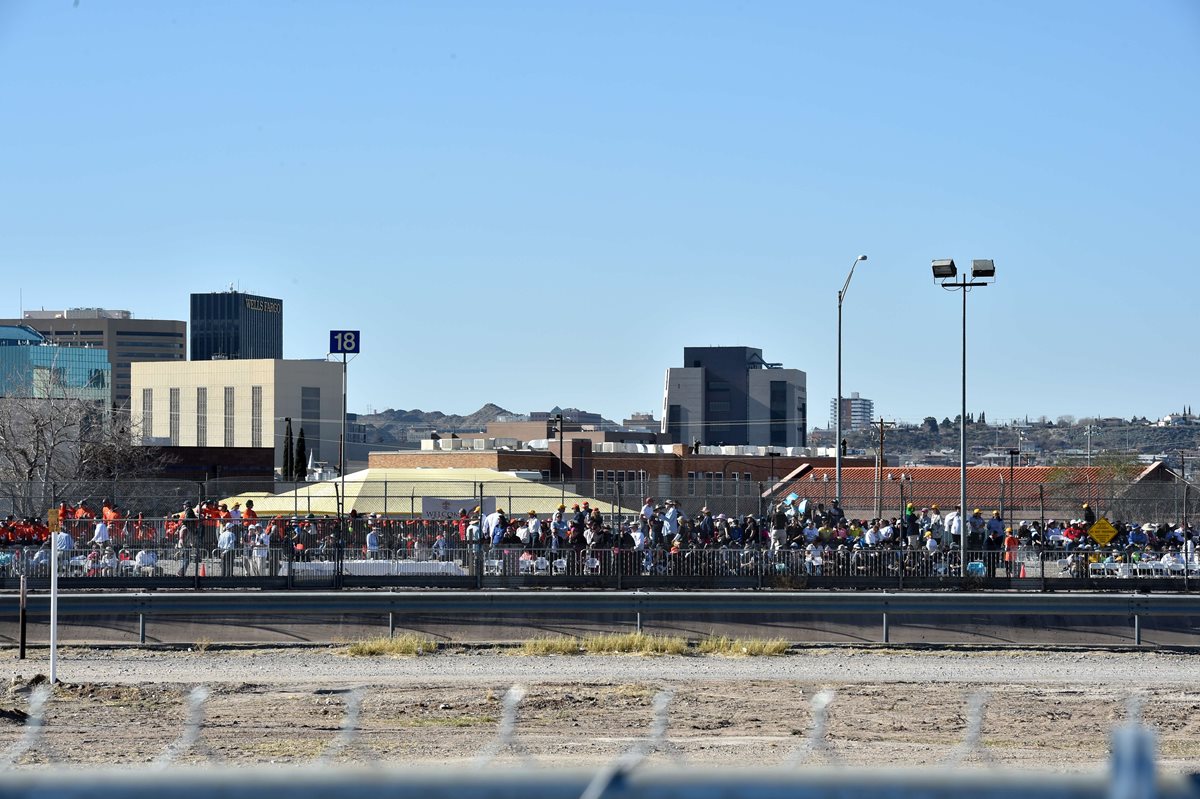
(746, 477)
(718, 407)
(174, 417)
(229, 428)
(691, 484)
(719, 483)
(201, 417)
(599, 476)
(147, 413)
(310, 419)
(256, 416)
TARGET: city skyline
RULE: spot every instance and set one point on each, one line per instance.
(538, 205)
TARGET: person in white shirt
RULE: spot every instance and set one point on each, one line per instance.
(262, 550)
(100, 534)
(533, 530)
(648, 509)
(871, 537)
(931, 543)
(227, 544)
(146, 561)
(490, 522)
(953, 527)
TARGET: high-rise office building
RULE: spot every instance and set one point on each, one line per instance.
(124, 339)
(730, 395)
(32, 367)
(857, 412)
(230, 325)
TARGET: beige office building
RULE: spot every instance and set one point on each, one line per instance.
(240, 403)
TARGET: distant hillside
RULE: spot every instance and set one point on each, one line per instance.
(392, 426)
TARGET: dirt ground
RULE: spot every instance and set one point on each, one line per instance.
(283, 706)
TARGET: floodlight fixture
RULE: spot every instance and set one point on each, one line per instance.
(944, 269)
(983, 268)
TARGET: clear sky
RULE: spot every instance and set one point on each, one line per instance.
(541, 204)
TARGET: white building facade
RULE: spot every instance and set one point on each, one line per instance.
(239, 403)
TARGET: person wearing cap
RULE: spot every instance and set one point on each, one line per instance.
(912, 527)
(227, 546)
(779, 523)
(372, 542)
(836, 514)
(671, 520)
(993, 542)
(1011, 542)
(976, 529)
(533, 531)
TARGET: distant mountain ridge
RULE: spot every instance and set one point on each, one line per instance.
(392, 426)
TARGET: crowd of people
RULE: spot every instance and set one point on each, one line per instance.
(822, 539)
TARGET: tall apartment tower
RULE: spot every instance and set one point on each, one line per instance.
(857, 412)
(730, 395)
(230, 325)
(125, 339)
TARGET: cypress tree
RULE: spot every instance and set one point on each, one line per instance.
(301, 464)
(288, 470)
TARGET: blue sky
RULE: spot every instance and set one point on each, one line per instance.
(542, 203)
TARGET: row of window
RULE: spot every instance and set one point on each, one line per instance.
(174, 416)
(714, 483)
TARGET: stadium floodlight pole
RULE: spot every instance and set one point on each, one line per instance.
(944, 272)
(837, 441)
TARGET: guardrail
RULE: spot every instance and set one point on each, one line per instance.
(630, 609)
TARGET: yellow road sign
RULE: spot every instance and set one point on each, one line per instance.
(1102, 532)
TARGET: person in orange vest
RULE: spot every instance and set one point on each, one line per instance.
(1011, 542)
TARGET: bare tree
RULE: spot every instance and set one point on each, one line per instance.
(57, 432)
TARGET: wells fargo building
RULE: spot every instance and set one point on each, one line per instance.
(235, 326)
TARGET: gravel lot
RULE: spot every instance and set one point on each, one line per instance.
(1046, 709)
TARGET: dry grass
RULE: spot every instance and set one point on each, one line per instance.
(400, 645)
(635, 644)
(743, 647)
(557, 645)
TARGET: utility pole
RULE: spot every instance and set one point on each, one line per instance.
(882, 425)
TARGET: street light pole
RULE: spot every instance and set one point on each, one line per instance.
(945, 272)
(1012, 457)
(562, 478)
(837, 442)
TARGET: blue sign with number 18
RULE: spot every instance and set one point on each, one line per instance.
(344, 342)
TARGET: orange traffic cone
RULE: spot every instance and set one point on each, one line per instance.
(204, 573)
(1022, 575)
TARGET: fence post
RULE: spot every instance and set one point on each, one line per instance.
(141, 628)
(21, 622)
(391, 624)
(1137, 629)
(886, 633)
